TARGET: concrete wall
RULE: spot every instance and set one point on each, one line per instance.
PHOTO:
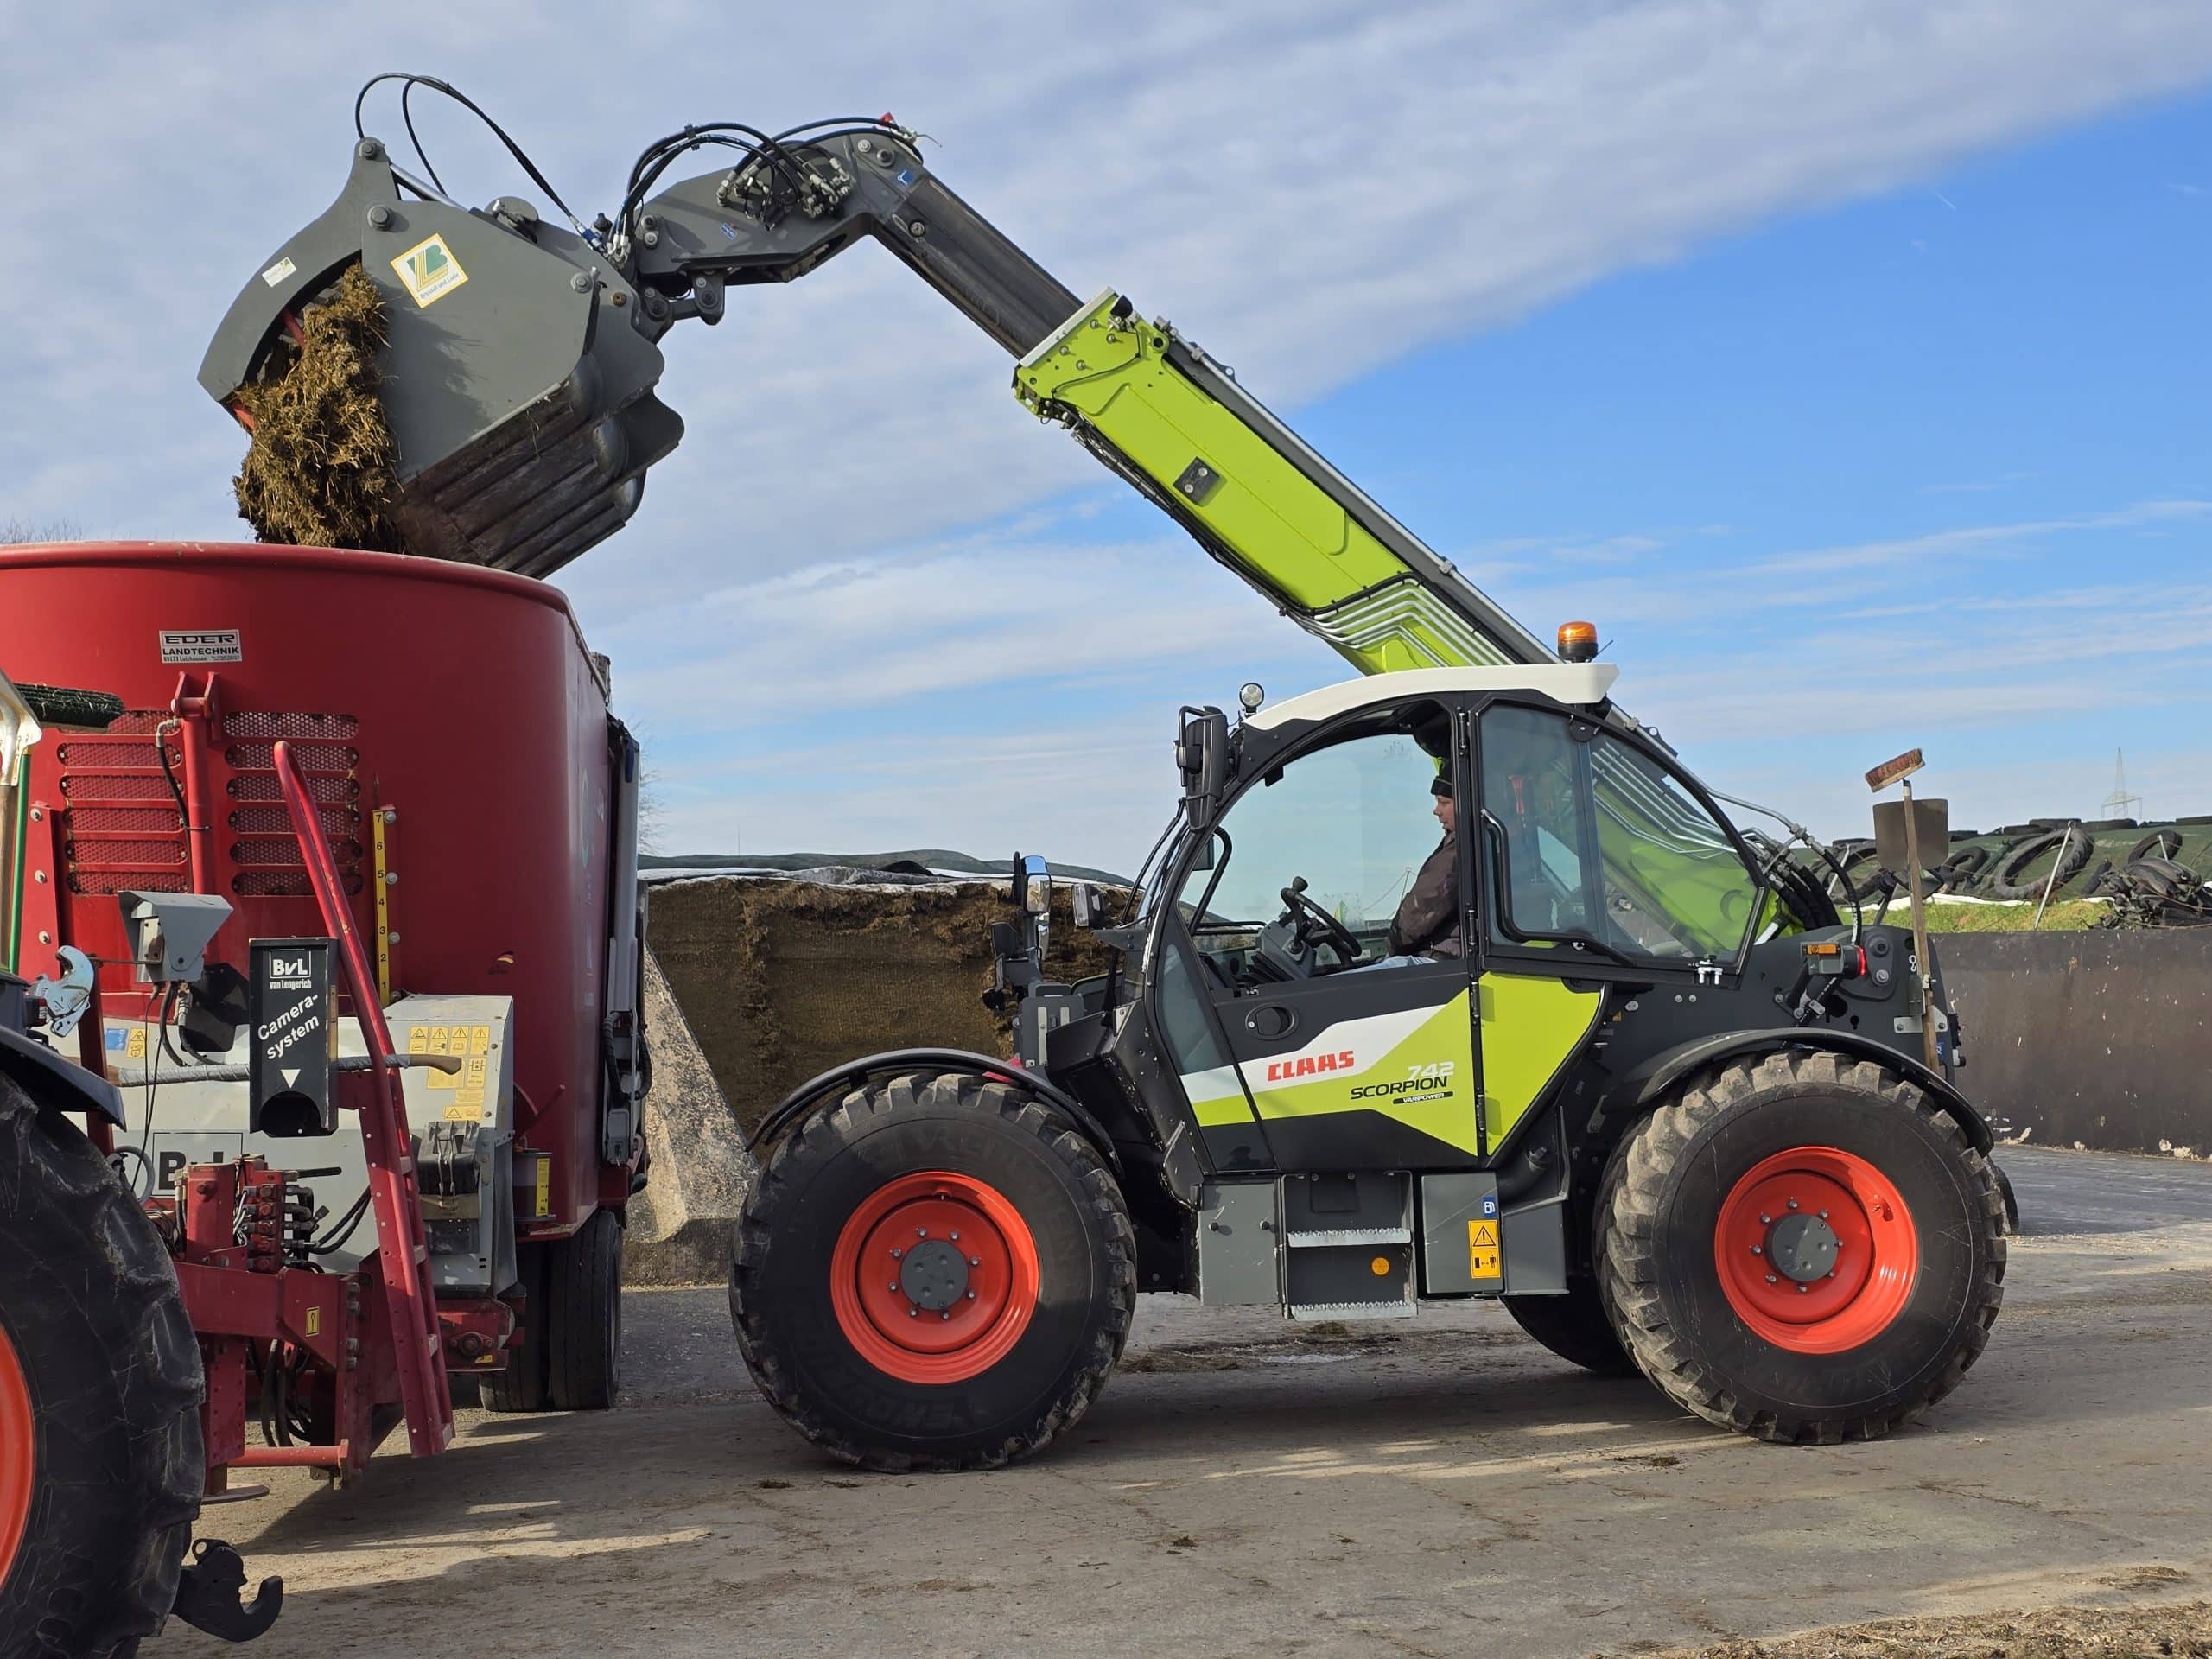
(2103, 1038)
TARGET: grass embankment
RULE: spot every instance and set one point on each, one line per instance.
(2062, 915)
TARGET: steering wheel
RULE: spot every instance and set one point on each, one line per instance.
(1308, 918)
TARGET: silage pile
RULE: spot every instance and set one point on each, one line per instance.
(322, 470)
(783, 980)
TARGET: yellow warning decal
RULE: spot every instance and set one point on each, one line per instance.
(544, 1186)
(430, 271)
(1481, 1251)
(315, 1322)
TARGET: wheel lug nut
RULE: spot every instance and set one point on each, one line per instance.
(956, 1235)
(914, 1313)
(946, 1314)
(895, 1254)
(1757, 1251)
(1766, 1221)
(892, 1289)
(1801, 1290)
(1824, 1215)
(971, 1294)
(1769, 1278)
(921, 1232)
(975, 1261)
(1793, 1204)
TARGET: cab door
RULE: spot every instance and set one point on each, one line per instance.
(1603, 872)
(1347, 1060)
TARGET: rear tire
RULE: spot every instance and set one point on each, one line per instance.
(584, 1308)
(101, 1463)
(1917, 1247)
(1033, 1306)
(521, 1386)
(1574, 1326)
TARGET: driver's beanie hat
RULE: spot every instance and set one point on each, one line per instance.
(1442, 786)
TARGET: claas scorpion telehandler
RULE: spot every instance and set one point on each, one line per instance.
(1662, 1100)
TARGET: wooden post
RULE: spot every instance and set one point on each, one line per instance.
(1919, 933)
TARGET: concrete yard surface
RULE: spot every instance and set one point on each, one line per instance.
(1433, 1486)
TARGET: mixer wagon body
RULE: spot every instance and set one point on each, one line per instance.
(464, 701)
(476, 808)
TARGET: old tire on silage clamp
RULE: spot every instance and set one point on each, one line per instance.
(100, 1453)
(2002, 879)
(943, 1355)
(1703, 1258)
(1574, 1326)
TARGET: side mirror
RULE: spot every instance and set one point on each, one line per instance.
(1034, 879)
(1202, 756)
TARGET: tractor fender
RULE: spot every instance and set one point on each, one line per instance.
(898, 1061)
(53, 1081)
(1657, 1075)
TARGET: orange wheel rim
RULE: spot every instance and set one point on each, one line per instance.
(934, 1277)
(18, 1455)
(1816, 1252)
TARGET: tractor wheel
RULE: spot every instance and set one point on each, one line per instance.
(583, 1306)
(522, 1385)
(936, 1273)
(100, 1456)
(1575, 1327)
(1803, 1248)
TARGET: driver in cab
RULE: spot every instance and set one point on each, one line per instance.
(1427, 925)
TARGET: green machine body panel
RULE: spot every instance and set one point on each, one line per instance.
(1176, 425)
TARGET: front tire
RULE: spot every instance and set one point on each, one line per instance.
(936, 1273)
(1803, 1248)
(101, 1463)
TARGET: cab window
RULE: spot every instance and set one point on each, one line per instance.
(1355, 820)
(1592, 838)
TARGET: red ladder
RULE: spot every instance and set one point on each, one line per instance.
(402, 1251)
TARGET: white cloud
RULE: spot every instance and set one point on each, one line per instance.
(1313, 189)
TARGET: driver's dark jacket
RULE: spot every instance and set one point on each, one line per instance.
(1428, 922)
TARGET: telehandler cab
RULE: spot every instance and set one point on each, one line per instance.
(1671, 1135)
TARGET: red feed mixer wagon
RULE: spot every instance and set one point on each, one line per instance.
(321, 1061)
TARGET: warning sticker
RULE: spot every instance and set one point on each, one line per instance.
(430, 271)
(1483, 1261)
(277, 272)
(315, 1322)
(470, 1086)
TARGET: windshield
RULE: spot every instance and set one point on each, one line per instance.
(1355, 821)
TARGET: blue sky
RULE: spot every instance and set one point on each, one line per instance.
(1845, 362)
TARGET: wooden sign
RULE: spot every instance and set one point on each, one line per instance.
(1890, 770)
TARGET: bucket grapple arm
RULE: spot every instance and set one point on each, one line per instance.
(520, 370)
